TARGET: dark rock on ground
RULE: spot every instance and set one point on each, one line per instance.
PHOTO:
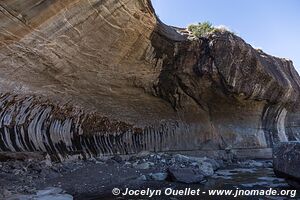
(111, 162)
(144, 165)
(293, 183)
(159, 176)
(206, 165)
(117, 158)
(255, 163)
(50, 193)
(185, 175)
(286, 162)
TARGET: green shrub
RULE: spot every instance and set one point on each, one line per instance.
(201, 29)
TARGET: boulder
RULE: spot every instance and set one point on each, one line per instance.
(54, 197)
(251, 164)
(185, 175)
(145, 165)
(206, 168)
(117, 158)
(50, 193)
(141, 178)
(206, 165)
(160, 176)
(286, 162)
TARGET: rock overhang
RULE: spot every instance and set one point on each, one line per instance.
(122, 81)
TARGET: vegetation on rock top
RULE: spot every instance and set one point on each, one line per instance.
(204, 28)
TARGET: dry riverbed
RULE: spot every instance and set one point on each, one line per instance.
(96, 177)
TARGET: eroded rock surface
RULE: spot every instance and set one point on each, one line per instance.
(108, 77)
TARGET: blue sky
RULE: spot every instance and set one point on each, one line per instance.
(272, 25)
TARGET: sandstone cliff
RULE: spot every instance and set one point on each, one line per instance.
(90, 77)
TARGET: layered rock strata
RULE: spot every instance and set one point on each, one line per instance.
(94, 77)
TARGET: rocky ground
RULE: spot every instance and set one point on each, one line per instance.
(96, 177)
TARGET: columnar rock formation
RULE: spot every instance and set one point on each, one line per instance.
(90, 77)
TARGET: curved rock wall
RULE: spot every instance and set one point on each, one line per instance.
(93, 77)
